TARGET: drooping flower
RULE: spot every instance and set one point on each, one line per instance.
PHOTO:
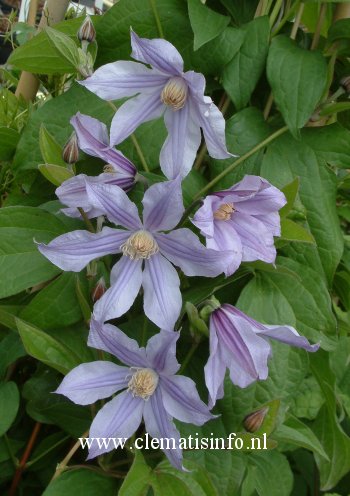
(163, 88)
(152, 391)
(243, 219)
(240, 343)
(93, 139)
(140, 243)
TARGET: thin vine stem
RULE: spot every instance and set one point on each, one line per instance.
(157, 18)
(61, 467)
(320, 21)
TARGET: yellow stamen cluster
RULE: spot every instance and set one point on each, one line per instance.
(174, 93)
(224, 212)
(143, 383)
(108, 168)
(140, 245)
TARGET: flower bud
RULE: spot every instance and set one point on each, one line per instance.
(254, 420)
(345, 83)
(209, 307)
(70, 152)
(99, 290)
(87, 31)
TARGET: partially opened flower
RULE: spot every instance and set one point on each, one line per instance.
(93, 139)
(162, 89)
(152, 391)
(243, 219)
(141, 244)
(241, 344)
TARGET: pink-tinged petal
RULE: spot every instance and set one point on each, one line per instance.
(181, 400)
(122, 79)
(196, 84)
(109, 338)
(184, 137)
(93, 139)
(163, 205)
(160, 425)
(119, 418)
(226, 238)
(133, 113)
(161, 352)
(183, 248)
(212, 123)
(288, 335)
(215, 369)
(162, 297)
(260, 196)
(93, 381)
(158, 53)
(114, 202)
(74, 250)
(257, 241)
(126, 279)
(204, 217)
(244, 352)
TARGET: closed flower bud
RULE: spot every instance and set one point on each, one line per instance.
(254, 420)
(345, 83)
(70, 152)
(99, 290)
(87, 31)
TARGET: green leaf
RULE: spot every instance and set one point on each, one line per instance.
(11, 349)
(271, 474)
(46, 349)
(56, 174)
(8, 142)
(334, 108)
(76, 482)
(51, 151)
(9, 404)
(21, 263)
(206, 23)
(292, 231)
(340, 29)
(290, 192)
(241, 75)
(64, 45)
(298, 78)
(138, 478)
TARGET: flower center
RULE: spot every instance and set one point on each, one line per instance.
(108, 168)
(224, 212)
(141, 244)
(174, 93)
(143, 383)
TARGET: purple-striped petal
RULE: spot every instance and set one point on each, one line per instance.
(181, 400)
(134, 112)
(158, 53)
(122, 79)
(257, 241)
(161, 352)
(119, 418)
(114, 202)
(204, 217)
(288, 335)
(226, 238)
(215, 369)
(183, 248)
(160, 425)
(180, 147)
(163, 205)
(126, 279)
(93, 381)
(162, 297)
(74, 250)
(109, 338)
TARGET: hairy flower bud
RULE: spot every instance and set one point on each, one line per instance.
(70, 152)
(254, 420)
(87, 31)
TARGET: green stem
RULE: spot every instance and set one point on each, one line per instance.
(296, 24)
(87, 221)
(188, 356)
(12, 456)
(320, 21)
(44, 453)
(241, 159)
(157, 18)
(275, 11)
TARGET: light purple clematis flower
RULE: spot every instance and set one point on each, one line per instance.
(243, 219)
(163, 88)
(240, 343)
(152, 391)
(140, 243)
(93, 139)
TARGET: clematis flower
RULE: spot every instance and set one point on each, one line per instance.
(152, 391)
(140, 243)
(93, 139)
(241, 344)
(243, 219)
(162, 89)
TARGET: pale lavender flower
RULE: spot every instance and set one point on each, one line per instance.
(152, 391)
(93, 139)
(240, 343)
(140, 243)
(162, 89)
(243, 219)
